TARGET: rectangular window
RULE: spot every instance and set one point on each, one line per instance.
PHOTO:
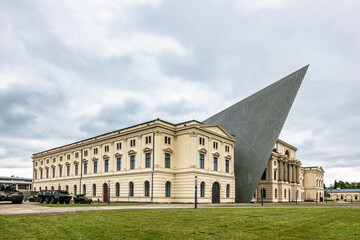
(54, 160)
(215, 163)
(76, 169)
(41, 173)
(227, 148)
(132, 143)
(167, 160)
(215, 145)
(76, 155)
(95, 151)
(47, 161)
(95, 167)
(132, 162)
(47, 173)
(118, 164)
(61, 158)
(167, 140)
(68, 170)
(107, 148)
(60, 171)
(85, 153)
(35, 164)
(106, 165)
(118, 146)
(148, 139)
(68, 157)
(202, 141)
(202, 160)
(85, 168)
(148, 160)
(53, 172)
(35, 172)
(226, 165)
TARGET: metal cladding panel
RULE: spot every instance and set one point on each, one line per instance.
(256, 123)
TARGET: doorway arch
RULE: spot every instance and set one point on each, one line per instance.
(105, 192)
(215, 193)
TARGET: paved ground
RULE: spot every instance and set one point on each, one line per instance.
(25, 209)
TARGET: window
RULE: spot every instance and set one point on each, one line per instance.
(167, 189)
(94, 190)
(107, 148)
(263, 177)
(60, 171)
(117, 187)
(118, 146)
(167, 140)
(202, 189)
(85, 153)
(35, 164)
(132, 162)
(148, 140)
(167, 160)
(47, 173)
(284, 193)
(54, 160)
(201, 160)
(131, 189)
(41, 162)
(68, 170)
(275, 192)
(35, 173)
(215, 145)
(68, 157)
(84, 189)
(45, 188)
(67, 188)
(148, 160)
(274, 175)
(118, 164)
(61, 158)
(85, 168)
(106, 166)
(41, 174)
(53, 170)
(228, 190)
(95, 167)
(132, 143)
(75, 190)
(76, 169)
(227, 165)
(95, 151)
(76, 155)
(147, 189)
(274, 163)
(202, 141)
(215, 163)
(47, 161)
(227, 148)
(355, 197)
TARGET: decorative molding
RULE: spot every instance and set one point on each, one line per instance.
(157, 133)
(216, 154)
(131, 152)
(67, 163)
(227, 157)
(193, 134)
(168, 150)
(76, 162)
(85, 160)
(118, 155)
(106, 157)
(202, 150)
(147, 149)
(95, 159)
(60, 165)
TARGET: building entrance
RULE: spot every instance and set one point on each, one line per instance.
(215, 193)
(105, 192)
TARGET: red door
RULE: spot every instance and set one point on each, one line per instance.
(105, 192)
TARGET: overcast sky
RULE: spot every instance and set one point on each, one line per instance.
(70, 70)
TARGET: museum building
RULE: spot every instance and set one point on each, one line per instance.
(285, 180)
(155, 161)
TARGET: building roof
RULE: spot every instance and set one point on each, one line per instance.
(15, 182)
(342, 190)
(15, 178)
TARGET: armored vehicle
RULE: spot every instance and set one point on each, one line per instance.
(8, 192)
(54, 196)
(81, 198)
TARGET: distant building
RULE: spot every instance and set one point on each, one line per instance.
(154, 161)
(285, 180)
(348, 195)
(22, 184)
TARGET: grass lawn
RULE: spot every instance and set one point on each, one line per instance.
(209, 223)
(88, 205)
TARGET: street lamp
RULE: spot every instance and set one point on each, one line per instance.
(195, 192)
(109, 192)
(262, 195)
(296, 195)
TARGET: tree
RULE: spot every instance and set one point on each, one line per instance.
(335, 184)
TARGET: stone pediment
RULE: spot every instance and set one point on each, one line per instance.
(95, 159)
(67, 163)
(53, 165)
(227, 157)
(76, 162)
(60, 165)
(202, 150)
(168, 150)
(106, 157)
(118, 154)
(131, 152)
(85, 160)
(147, 149)
(216, 154)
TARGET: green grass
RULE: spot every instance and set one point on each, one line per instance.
(88, 205)
(214, 223)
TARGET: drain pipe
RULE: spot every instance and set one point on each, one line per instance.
(152, 173)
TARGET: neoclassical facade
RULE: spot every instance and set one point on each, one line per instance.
(155, 161)
(285, 180)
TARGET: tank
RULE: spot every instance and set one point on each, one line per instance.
(8, 192)
(54, 196)
(81, 198)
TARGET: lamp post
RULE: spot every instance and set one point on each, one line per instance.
(195, 192)
(296, 195)
(262, 195)
(109, 192)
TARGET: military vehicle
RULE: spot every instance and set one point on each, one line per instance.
(81, 198)
(54, 196)
(8, 192)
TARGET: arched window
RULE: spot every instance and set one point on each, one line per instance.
(275, 175)
(75, 190)
(52, 187)
(147, 189)
(45, 188)
(275, 192)
(67, 188)
(34, 188)
(263, 192)
(84, 189)
(167, 189)
(40, 188)
(94, 190)
(117, 187)
(356, 197)
(202, 189)
(287, 153)
(131, 189)
(284, 193)
(228, 190)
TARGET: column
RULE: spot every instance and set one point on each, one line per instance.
(290, 173)
(280, 170)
